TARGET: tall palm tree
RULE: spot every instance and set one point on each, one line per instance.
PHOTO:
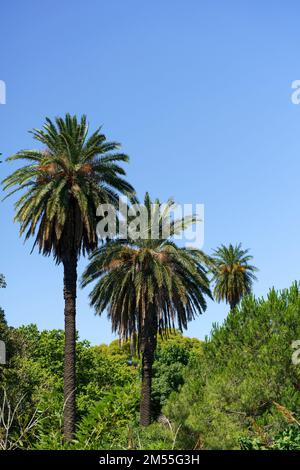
(147, 286)
(64, 184)
(232, 274)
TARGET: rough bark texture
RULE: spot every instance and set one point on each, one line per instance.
(70, 281)
(148, 345)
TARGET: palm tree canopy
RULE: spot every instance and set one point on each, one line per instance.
(134, 276)
(232, 273)
(64, 184)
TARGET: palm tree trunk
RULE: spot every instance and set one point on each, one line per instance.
(70, 281)
(145, 404)
(148, 345)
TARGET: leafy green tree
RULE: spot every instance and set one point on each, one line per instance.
(18, 407)
(147, 285)
(64, 184)
(35, 372)
(233, 275)
(244, 372)
(171, 360)
(107, 398)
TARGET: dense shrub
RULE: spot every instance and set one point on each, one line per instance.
(232, 391)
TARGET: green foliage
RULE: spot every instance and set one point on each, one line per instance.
(157, 436)
(238, 389)
(245, 368)
(107, 424)
(18, 382)
(171, 359)
(107, 393)
(288, 439)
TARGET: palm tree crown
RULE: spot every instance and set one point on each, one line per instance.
(135, 274)
(232, 274)
(65, 182)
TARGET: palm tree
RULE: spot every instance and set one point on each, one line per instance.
(65, 182)
(232, 274)
(147, 285)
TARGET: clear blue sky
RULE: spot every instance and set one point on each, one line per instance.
(198, 93)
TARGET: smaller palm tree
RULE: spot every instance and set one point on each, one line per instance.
(147, 286)
(232, 274)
